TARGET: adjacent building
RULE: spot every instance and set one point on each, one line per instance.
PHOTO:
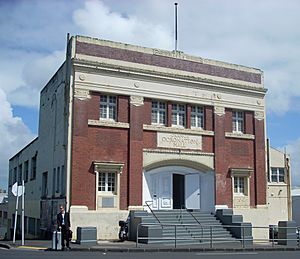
(122, 127)
(3, 214)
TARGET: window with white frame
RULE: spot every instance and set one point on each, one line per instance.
(197, 117)
(178, 115)
(277, 175)
(158, 115)
(239, 185)
(108, 107)
(238, 121)
(107, 182)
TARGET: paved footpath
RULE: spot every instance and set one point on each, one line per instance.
(128, 246)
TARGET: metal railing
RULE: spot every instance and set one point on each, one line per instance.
(187, 210)
(152, 211)
(211, 240)
(196, 221)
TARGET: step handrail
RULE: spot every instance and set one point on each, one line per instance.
(152, 211)
(196, 221)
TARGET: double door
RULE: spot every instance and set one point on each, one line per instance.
(172, 190)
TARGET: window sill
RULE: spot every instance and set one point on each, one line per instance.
(108, 123)
(107, 194)
(277, 184)
(239, 135)
(177, 130)
(240, 195)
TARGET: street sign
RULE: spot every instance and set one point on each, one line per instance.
(17, 190)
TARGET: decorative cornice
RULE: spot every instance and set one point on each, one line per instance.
(107, 123)
(219, 110)
(112, 166)
(88, 62)
(259, 115)
(175, 151)
(246, 172)
(136, 100)
(82, 94)
(239, 135)
(177, 130)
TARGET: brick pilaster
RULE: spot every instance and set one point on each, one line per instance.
(260, 161)
(135, 178)
(223, 186)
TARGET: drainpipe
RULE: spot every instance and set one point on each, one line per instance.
(288, 180)
(70, 83)
(268, 160)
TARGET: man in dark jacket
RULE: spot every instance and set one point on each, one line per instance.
(63, 224)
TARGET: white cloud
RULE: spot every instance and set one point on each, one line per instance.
(23, 81)
(97, 20)
(14, 135)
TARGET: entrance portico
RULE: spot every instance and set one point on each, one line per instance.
(175, 187)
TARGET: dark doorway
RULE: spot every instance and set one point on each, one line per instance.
(178, 191)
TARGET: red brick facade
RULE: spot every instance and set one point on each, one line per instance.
(123, 145)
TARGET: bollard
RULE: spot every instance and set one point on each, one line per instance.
(54, 240)
(58, 240)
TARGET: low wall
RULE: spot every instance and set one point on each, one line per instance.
(106, 222)
(259, 217)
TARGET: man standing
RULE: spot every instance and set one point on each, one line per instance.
(63, 223)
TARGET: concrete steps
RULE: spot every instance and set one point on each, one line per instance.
(192, 227)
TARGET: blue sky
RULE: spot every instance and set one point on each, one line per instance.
(256, 33)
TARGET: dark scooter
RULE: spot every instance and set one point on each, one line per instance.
(123, 232)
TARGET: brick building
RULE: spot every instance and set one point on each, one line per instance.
(121, 126)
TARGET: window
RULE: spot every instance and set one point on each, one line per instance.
(108, 106)
(20, 175)
(158, 113)
(277, 175)
(178, 115)
(62, 180)
(107, 182)
(10, 179)
(53, 181)
(239, 185)
(15, 174)
(238, 121)
(26, 166)
(58, 179)
(33, 168)
(197, 117)
(45, 184)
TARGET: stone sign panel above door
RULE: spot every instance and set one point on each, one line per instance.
(179, 141)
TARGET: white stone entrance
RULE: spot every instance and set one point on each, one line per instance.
(173, 187)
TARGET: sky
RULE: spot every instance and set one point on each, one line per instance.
(257, 33)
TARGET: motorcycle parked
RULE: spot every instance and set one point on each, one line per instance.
(123, 232)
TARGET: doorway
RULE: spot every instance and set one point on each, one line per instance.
(178, 191)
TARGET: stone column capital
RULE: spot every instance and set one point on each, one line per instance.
(219, 110)
(136, 100)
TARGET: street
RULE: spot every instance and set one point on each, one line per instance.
(37, 254)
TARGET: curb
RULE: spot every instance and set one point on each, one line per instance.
(7, 246)
(151, 250)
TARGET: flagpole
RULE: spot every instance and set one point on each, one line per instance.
(176, 4)
(23, 204)
(16, 214)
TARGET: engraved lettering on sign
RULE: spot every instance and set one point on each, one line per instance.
(180, 141)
